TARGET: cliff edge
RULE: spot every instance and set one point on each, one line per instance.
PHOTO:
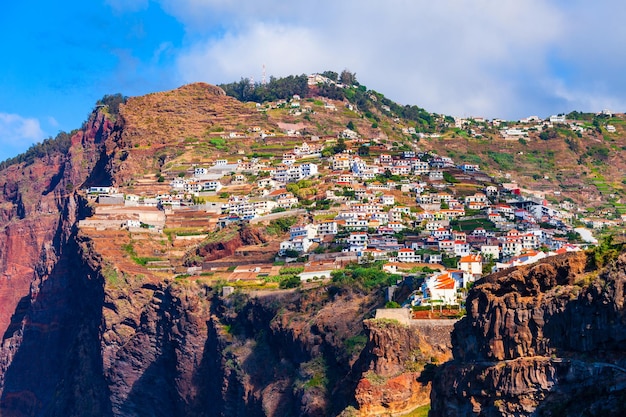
(541, 340)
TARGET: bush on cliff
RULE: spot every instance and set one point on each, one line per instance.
(606, 251)
(365, 277)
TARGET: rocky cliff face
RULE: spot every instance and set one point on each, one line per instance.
(398, 363)
(546, 339)
(47, 294)
(86, 333)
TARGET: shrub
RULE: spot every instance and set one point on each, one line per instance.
(292, 281)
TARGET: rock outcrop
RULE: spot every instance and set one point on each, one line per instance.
(545, 339)
(399, 364)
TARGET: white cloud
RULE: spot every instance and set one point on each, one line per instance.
(485, 57)
(17, 133)
(285, 50)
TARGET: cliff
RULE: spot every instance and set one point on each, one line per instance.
(546, 339)
(87, 331)
(398, 364)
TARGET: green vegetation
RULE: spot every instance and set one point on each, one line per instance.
(277, 88)
(548, 134)
(606, 251)
(366, 277)
(185, 231)
(504, 160)
(314, 373)
(449, 178)
(219, 143)
(355, 344)
(110, 275)
(139, 260)
(143, 260)
(279, 226)
(291, 270)
(112, 103)
(419, 412)
(291, 281)
(340, 146)
(470, 225)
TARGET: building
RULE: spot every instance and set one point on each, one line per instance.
(440, 288)
(328, 227)
(408, 255)
(300, 245)
(303, 230)
(472, 265)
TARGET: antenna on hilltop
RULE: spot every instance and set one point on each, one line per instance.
(263, 79)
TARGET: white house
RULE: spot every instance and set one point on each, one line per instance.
(303, 230)
(440, 287)
(212, 186)
(472, 265)
(492, 251)
(200, 172)
(435, 176)
(420, 167)
(132, 223)
(357, 241)
(557, 118)
(328, 227)
(408, 255)
(301, 245)
(387, 200)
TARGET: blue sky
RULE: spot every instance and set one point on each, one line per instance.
(490, 58)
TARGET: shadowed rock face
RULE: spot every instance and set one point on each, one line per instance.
(83, 337)
(541, 339)
(50, 297)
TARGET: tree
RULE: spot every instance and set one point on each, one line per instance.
(290, 253)
(112, 101)
(350, 125)
(548, 134)
(292, 281)
(331, 75)
(364, 150)
(340, 146)
(348, 78)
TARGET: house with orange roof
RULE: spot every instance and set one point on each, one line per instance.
(440, 288)
(472, 265)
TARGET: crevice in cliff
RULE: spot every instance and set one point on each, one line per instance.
(100, 175)
(55, 180)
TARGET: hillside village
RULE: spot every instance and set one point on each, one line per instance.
(346, 199)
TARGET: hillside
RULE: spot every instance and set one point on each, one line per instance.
(161, 253)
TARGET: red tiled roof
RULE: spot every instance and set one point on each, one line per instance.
(445, 282)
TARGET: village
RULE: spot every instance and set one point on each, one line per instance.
(346, 200)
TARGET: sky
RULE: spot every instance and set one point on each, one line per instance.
(491, 58)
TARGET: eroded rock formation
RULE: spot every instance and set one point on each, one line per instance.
(545, 339)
